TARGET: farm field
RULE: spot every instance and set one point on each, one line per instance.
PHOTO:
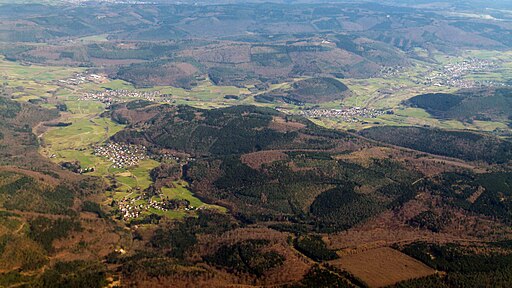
(33, 81)
(382, 267)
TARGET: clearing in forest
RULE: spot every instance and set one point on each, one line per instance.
(383, 266)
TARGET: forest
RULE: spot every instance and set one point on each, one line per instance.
(467, 105)
(463, 145)
(311, 90)
(465, 267)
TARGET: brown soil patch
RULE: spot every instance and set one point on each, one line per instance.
(187, 68)
(476, 195)
(257, 159)
(373, 152)
(383, 266)
(280, 124)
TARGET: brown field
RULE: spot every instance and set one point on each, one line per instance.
(280, 124)
(256, 159)
(383, 266)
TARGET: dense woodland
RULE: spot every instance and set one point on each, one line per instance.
(467, 105)
(456, 190)
(45, 208)
(217, 132)
(465, 266)
(470, 146)
(311, 90)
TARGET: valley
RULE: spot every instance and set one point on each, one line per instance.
(254, 144)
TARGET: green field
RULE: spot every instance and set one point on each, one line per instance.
(82, 133)
(34, 82)
(15, 71)
(205, 95)
(181, 191)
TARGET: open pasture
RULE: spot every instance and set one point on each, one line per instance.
(137, 176)
(181, 191)
(81, 134)
(33, 82)
(12, 70)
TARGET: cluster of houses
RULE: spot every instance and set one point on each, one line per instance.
(452, 75)
(391, 71)
(113, 96)
(129, 209)
(122, 155)
(75, 166)
(350, 114)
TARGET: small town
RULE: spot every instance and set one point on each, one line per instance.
(452, 75)
(351, 114)
(122, 155)
(114, 96)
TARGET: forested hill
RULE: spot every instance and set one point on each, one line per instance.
(489, 104)
(266, 166)
(313, 90)
(226, 131)
(464, 145)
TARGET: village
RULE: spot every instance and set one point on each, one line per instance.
(350, 114)
(391, 71)
(122, 155)
(114, 96)
(132, 208)
(452, 75)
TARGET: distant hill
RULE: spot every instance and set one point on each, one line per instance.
(313, 90)
(159, 73)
